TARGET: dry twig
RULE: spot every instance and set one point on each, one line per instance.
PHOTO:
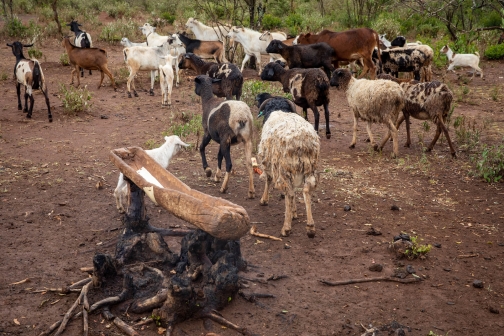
(253, 232)
(354, 281)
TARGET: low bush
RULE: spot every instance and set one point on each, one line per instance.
(490, 165)
(495, 52)
(34, 53)
(271, 22)
(387, 25)
(75, 100)
(252, 88)
(64, 60)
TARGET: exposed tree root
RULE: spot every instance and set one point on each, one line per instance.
(128, 330)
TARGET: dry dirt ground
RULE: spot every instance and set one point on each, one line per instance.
(53, 218)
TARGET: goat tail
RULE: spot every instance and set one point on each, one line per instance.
(37, 75)
(477, 54)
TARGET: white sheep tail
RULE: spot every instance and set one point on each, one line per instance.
(477, 54)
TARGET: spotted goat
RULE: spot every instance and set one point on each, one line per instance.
(28, 72)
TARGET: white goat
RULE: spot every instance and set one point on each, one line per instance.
(206, 33)
(462, 60)
(374, 101)
(156, 40)
(161, 155)
(127, 43)
(166, 80)
(252, 45)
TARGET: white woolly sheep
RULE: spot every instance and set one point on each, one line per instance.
(29, 73)
(166, 80)
(462, 60)
(289, 152)
(374, 101)
(161, 155)
(227, 123)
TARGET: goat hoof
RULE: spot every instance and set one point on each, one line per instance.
(20, 107)
(151, 92)
(208, 172)
(352, 146)
(135, 94)
(376, 149)
(261, 202)
(454, 155)
(223, 191)
(251, 194)
(328, 135)
(28, 116)
(311, 234)
(129, 94)
(285, 233)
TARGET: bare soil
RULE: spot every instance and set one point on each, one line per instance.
(53, 218)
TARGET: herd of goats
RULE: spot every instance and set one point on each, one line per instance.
(289, 147)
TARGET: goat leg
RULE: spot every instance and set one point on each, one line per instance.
(18, 91)
(26, 102)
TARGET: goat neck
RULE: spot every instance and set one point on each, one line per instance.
(197, 64)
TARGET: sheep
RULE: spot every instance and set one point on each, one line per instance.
(427, 101)
(398, 60)
(231, 78)
(204, 49)
(289, 150)
(227, 123)
(127, 43)
(88, 58)
(305, 56)
(82, 39)
(374, 101)
(29, 73)
(166, 80)
(462, 60)
(145, 59)
(161, 155)
(309, 88)
(253, 45)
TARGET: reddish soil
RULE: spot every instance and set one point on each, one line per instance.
(53, 218)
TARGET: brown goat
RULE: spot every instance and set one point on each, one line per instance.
(89, 59)
(349, 45)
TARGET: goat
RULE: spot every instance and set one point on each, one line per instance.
(305, 56)
(427, 101)
(204, 49)
(309, 88)
(166, 80)
(206, 33)
(144, 59)
(462, 60)
(127, 43)
(231, 78)
(253, 45)
(227, 123)
(156, 40)
(82, 39)
(289, 150)
(29, 73)
(161, 155)
(87, 58)
(374, 101)
(398, 42)
(348, 46)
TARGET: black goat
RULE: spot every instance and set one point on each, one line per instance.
(29, 73)
(305, 56)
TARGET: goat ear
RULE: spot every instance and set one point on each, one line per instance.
(216, 80)
(9, 45)
(271, 72)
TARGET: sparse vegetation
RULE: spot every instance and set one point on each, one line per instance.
(75, 100)
(252, 88)
(467, 132)
(34, 53)
(64, 60)
(417, 250)
(490, 164)
(185, 125)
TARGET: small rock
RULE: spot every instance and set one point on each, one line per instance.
(437, 245)
(410, 269)
(450, 303)
(478, 284)
(493, 310)
(373, 232)
(394, 208)
(446, 269)
(287, 246)
(376, 268)
(103, 116)
(347, 208)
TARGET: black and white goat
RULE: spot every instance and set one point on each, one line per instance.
(29, 73)
(227, 123)
(82, 39)
(309, 88)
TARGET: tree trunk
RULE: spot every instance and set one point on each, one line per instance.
(54, 6)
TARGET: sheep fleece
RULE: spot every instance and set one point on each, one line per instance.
(289, 149)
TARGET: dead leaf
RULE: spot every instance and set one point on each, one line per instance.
(161, 331)
(17, 322)
(99, 185)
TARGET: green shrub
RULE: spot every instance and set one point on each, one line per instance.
(185, 125)
(271, 22)
(252, 88)
(294, 20)
(417, 250)
(114, 31)
(467, 132)
(491, 19)
(387, 25)
(75, 100)
(495, 52)
(64, 60)
(490, 166)
(15, 28)
(34, 53)
(121, 75)
(168, 17)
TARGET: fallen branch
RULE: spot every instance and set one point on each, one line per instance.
(63, 290)
(126, 293)
(144, 322)
(354, 281)
(222, 321)
(85, 321)
(253, 232)
(468, 255)
(20, 282)
(57, 324)
(87, 269)
(80, 283)
(277, 277)
(254, 280)
(125, 327)
(68, 314)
